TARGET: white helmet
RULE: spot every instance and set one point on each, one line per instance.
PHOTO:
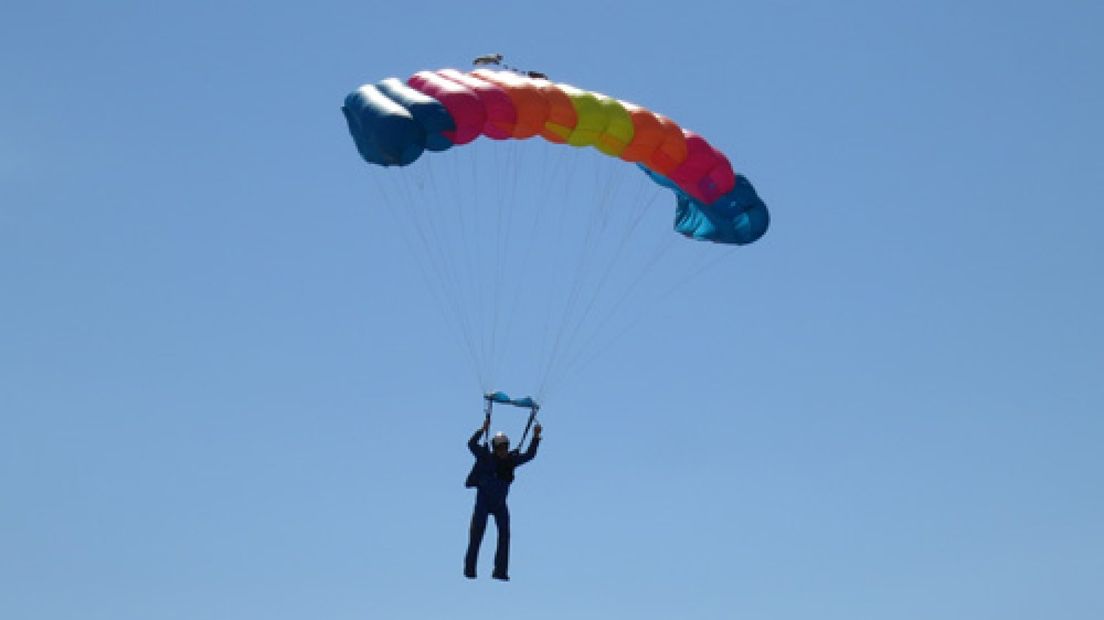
(500, 439)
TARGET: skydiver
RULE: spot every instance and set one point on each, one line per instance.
(537, 75)
(491, 475)
(488, 59)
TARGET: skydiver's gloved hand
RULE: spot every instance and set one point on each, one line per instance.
(537, 431)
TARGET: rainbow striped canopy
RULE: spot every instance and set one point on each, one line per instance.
(394, 122)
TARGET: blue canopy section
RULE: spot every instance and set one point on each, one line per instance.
(502, 397)
(739, 217)
(427, 111)
(393, 124)
(385, 132)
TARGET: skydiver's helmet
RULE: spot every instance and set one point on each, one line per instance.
(500, 439)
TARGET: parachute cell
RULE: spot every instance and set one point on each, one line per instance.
(427, 111)
(463, 105)
(528, 100)
(385, 132)
(499, 110)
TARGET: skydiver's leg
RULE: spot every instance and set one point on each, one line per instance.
(475, 537)
(502, 553)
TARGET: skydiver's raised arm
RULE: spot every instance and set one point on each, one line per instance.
(473, 443)
(531, 453)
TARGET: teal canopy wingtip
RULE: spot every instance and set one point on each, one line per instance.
(504, 398)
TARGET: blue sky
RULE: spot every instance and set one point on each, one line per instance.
(227, 390)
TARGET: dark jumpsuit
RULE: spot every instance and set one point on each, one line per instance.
(493, 477)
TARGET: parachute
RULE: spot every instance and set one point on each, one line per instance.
(470, 241)
(394, 123)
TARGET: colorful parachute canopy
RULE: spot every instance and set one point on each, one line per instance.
(393, 123)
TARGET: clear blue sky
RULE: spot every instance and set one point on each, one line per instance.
(225, 393)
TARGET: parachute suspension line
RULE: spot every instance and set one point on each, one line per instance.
(504, 220)
(592, 262)
(436, 248)
(469, 255)
(487, 258)
(589, 346)
(495, 271)
(532, 416)
(585, 331)
(449, 288)
(568, 306)
(496, 263)
(606, 188)
(564, 171)
(572, 317)
(514, 207)
(696, 272)
(539, 204)
(449, 250)
(635, 217)
(595, 225)
(485, 206)
(583, 337)
(460, 259)
(704, 266)
(389, 187)
(589, 331)
(458, 207)
(490, 253)
(483, 287)
(537, 212)
(639, 209)
(467, 218)
(578, 284)
(492, 271)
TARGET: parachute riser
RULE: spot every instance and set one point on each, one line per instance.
(492, 397)
(487, 420)
(532, 416)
